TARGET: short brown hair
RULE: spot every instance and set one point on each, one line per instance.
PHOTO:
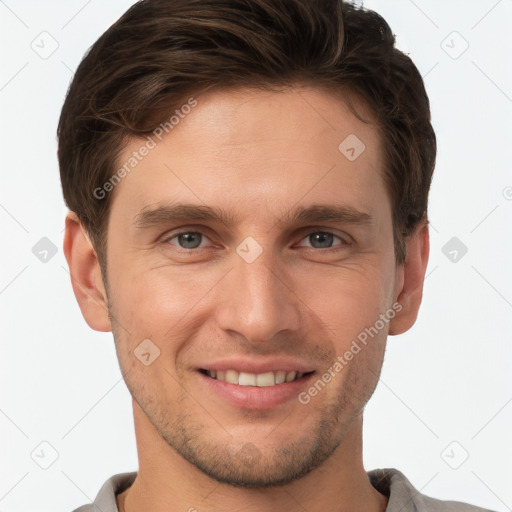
(160, 51)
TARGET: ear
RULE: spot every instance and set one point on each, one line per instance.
(410, 280)
(85, 273)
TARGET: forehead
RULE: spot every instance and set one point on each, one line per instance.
(251, 149)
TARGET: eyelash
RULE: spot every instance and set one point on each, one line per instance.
(345, 243)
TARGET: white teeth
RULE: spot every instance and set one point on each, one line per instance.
(232, 376)
(290, 376)
(264, 379)
(247, 379)
(252, 379)
(280, 377)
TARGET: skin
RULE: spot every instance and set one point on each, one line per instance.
(258, 155)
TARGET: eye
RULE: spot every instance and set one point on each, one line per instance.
(187, 239)
(322, 240)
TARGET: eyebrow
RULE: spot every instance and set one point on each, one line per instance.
(163, 214)
(148, 217)
(326, 213)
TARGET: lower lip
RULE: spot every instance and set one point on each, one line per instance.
(254, 397)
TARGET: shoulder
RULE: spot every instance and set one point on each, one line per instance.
(105, 500)
(405, 497)
(435, 505)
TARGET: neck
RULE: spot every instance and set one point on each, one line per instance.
(166, 480)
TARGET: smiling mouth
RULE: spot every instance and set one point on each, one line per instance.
(255, 379)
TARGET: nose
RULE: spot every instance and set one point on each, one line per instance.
(258, 300)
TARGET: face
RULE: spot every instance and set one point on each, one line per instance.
(246, 249)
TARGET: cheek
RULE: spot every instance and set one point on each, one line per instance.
(347, 299)
(161, 304)
(150, 296)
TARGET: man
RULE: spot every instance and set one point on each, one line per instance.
(247, 184)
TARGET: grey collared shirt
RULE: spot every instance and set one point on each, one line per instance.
(403, 497)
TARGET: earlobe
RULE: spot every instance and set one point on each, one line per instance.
(411, 284)
(86, 278)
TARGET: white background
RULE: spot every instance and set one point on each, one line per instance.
(446, 380)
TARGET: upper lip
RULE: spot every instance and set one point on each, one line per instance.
(258, 366)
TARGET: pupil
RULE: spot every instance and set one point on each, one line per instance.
(190, 240)
(324, 239)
